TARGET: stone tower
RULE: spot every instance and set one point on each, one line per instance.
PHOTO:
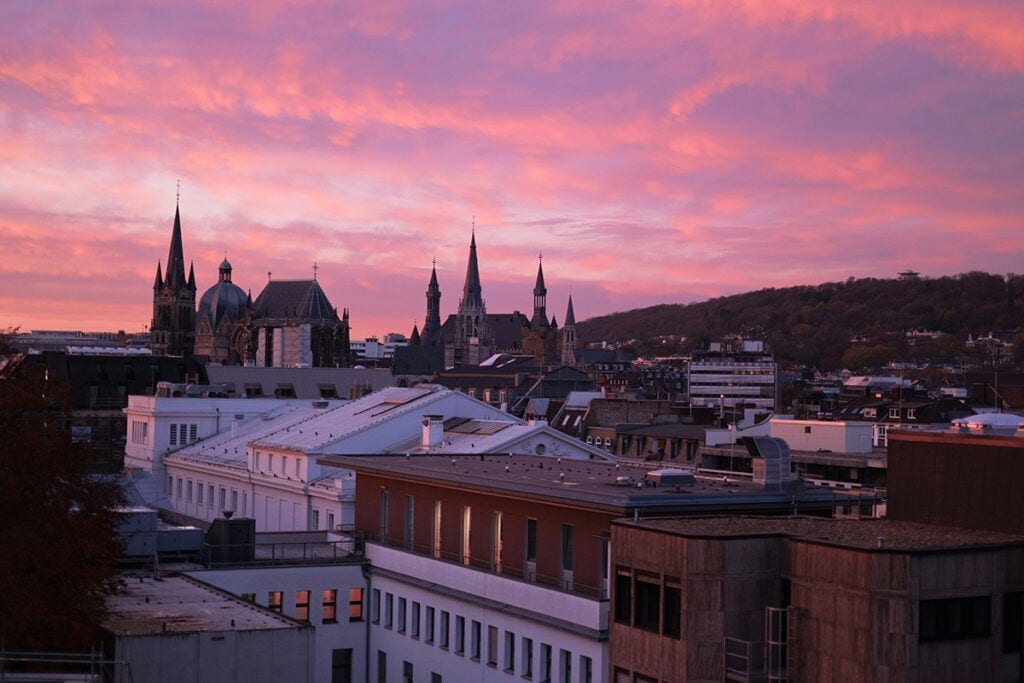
(172, 331)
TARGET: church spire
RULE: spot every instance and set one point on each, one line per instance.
(472, 292)
(176, 256)
(540, 296)
(570, 317)
(432, 323)
(569, 337)
(159, 277)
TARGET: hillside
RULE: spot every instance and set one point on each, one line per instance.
(814, 325)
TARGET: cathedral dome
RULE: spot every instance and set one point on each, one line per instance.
(225, 300)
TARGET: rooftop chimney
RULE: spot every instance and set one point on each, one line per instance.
(433, 431)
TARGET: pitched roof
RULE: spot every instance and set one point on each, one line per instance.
(296, 300)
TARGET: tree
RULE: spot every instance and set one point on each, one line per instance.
(58, 525)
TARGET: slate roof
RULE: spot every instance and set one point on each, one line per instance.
(294, 300)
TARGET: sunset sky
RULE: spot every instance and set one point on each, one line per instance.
(654, 152)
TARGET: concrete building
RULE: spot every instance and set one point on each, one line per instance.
(180, 630)
(497, 567)
(756, 599)
(734, 374)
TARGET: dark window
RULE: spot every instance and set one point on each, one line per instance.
(382, 666)
(955, 618)
(341, 665)
(623, 602)
(673, 608)
(1013, 622)
(648, 603)
(406, 672)
(531, 540)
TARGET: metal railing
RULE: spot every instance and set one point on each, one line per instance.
(66, 667)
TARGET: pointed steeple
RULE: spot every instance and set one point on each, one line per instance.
(472, 292)
(569, 337)
(540, 296)
(414, 338)
(159, 277)
(191, 276)
(432, 323)
(176, 256)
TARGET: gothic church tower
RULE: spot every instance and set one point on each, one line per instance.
(172, 331)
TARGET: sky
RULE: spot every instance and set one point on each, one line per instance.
(650, 152)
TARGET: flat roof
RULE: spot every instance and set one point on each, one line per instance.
(571, 481)
(181, 604)
(862, 534)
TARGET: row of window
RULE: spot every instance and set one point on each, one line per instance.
(328, 604)
(449, 632)
(194, 491)
(651, 602)
(180, 434)
(140, 432)
(282, 465)
(497, 535)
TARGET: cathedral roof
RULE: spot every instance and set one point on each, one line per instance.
(295, 300)
(224, 300)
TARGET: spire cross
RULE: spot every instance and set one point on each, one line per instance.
(315, 268)
(177, 196)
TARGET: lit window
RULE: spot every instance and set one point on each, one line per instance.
(274, 599)
(302, 605)
(330, 605)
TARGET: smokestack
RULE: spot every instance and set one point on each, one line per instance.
(433, 431)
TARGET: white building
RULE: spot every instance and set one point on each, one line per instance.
(741, 374)
(265, 467)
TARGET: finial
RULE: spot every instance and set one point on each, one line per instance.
(268, 276)
(315, 268)
(540, 255)
(474, 222)
(177, 195)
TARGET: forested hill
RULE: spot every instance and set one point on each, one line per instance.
(814, 325)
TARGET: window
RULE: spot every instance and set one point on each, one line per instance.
(894, 413)
(316, 519)
(298, 468)
(249, 597)
(199, 493)
(414, 620)
(672, 612)
(911, 413)
(270, 462)
(428, 625)
(330, 521)
(256, 461)
(565, 666)
(179, 488)
(1013, 628)
(341, 665)
(807, 429)
(567, 556)
(329, 598)
(648, 603)
(460, 635)
(492, 644)
(475, 639)
(284, 464)
(302, 605)
(188, 491)
(435, 677)
(510, 651)
(383, 521)
(355, 604)
(527, 656)
(435, 531)
(443, 630)
(401, 616)
(623, 596)
(274, 599)
(173, 438)
(545, 663)
(409, 507)
(530, 550)
(209, 500)
(223, 498)
(375, 606)
(170, 486)
(382, 666)
(496, 542)
(955, 619)
(234, 499)
(467, 512)
(388, 609)
(586, 669)
(406, 672)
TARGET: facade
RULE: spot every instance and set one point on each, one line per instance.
(177, 629)
(491, 567)
(734, 374)
(258, 457)
(294, 324)
(748, 599)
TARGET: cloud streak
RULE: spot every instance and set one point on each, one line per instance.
(653, 151)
